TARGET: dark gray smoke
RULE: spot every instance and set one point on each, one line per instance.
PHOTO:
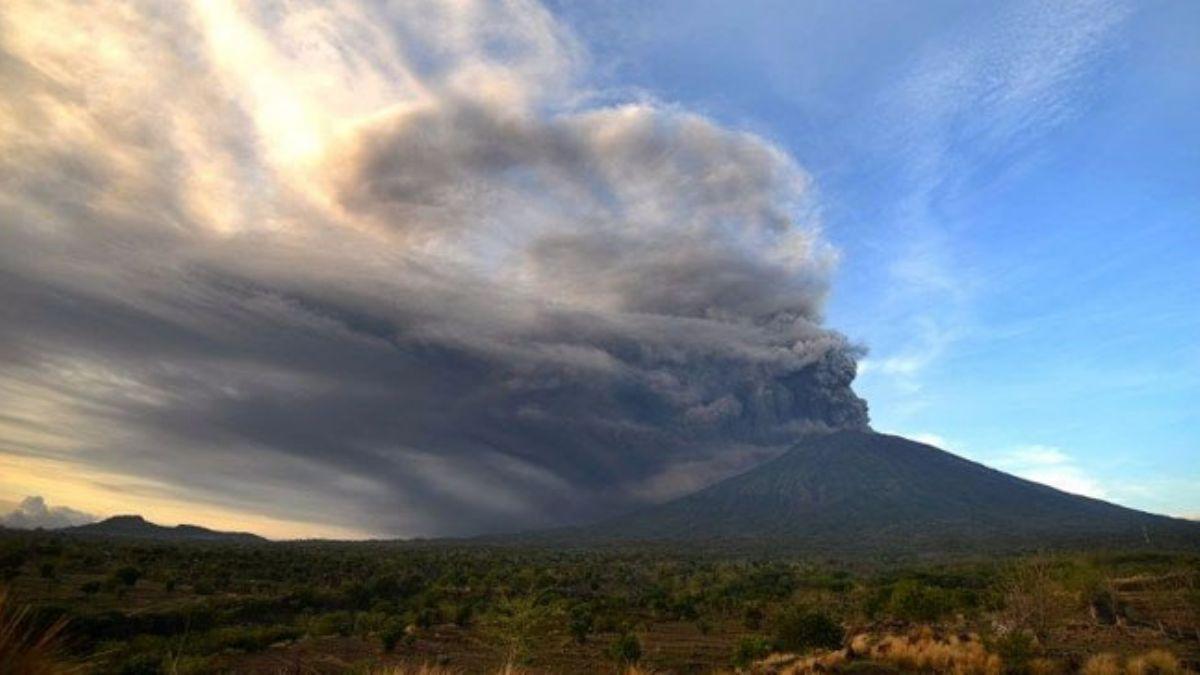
(465, 313)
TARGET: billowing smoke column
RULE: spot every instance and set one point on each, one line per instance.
(442, 303)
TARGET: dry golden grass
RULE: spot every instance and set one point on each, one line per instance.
(1046, 667)
(507, 669)
(25, 649)
(1102, 664)
(925, 650)
(1156, 662)
(922, 650)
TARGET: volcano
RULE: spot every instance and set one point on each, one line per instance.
(861, 490)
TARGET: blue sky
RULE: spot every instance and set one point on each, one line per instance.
(1015, 191)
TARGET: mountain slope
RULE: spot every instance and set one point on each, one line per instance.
(140, 528)
(864, 490)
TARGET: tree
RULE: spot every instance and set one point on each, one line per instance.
(1034, 600)
(517, 623)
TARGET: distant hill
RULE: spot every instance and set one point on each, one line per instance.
(137, 527)
(860, 490)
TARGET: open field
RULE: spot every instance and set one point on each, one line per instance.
(146, 607)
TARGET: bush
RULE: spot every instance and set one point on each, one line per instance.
(798, 630)
(393, 633)
(1017, 649)
(581, 623)
(750, 649)
(626, 649)
(127, 576)
(752, 617)
(914, 601)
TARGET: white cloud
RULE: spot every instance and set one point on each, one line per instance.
(1039, 455)
(33, 513)
(1045, 464)
(1051, 466)
(930, 438)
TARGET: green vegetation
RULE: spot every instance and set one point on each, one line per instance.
(801, 630)
(139, 606)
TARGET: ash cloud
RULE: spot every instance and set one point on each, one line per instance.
(432, 294)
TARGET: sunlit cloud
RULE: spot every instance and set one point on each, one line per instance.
(33, 513)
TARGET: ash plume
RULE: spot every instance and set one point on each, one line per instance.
(459, 299)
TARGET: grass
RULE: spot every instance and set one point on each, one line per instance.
(1153, 662)
(920, 651)
(27, 648)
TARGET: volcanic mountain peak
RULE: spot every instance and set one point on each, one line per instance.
(857, 490)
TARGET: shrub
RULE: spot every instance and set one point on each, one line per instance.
(127, 576)
(752, 617)
(1034, 600)
(800, 630)
(1017, 649)
(915, 601)
(393, 633)
(581, 623)
(626, 650)
(750, 649)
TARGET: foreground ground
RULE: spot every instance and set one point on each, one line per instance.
(144, 607)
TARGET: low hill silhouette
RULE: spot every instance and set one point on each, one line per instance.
(133, 526)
